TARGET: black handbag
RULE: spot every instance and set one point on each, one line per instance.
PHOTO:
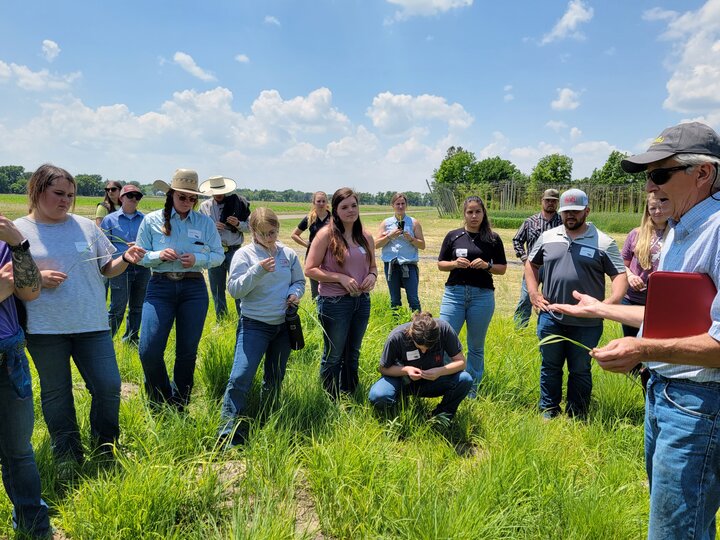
(294, 328)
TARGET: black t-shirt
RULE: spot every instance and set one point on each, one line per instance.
(460, 243)
(401, 351)
(315, 227)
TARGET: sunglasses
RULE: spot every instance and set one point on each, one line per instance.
(111, 189)
(137, 196)
(662, 176)
(185, 198)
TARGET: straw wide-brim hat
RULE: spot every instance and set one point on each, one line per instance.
(218, 185)
(185, 180)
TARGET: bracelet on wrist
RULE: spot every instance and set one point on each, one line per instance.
(124, 259)
(373, 273)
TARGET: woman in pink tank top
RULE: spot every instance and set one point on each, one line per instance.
(342, 260)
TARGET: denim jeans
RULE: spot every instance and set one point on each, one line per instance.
(254, 340)
(128, 288)
(579, 386)
(396, 281)
(630, 331)
(217, 276)
(19, 470)
(523, 310)
(682, 457)
(184, 303)
(94, 358)
(463, 304)
(344, 320)
(453, 389)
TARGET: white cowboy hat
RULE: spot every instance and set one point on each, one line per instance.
(218, 185)
(185, 180)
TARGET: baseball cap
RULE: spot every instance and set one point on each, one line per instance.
(573, 199)
(551, 194)
(129, 188)
(689, 138)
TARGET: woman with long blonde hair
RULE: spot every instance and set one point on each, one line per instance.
(641, 252)
(317, 218)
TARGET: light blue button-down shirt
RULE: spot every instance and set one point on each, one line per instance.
(693, 245)
(195, 234)
(121, 229)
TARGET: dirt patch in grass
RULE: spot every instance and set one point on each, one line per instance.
(129, 390)
(307, 521)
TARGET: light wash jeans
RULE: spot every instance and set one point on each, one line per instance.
(397, 282)
(453, 388)
(463, 304)
(682, 457)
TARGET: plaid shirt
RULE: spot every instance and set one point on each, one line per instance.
(530, 231)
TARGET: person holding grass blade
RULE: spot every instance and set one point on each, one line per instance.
(121, 227)
(413, 362)
(269, 279)
(342, 259)
(400, 238)
(575, 256)
(180, 243)
(472, 255)
(69, 319)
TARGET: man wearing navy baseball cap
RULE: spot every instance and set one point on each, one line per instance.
(682, 420)
(575, 256)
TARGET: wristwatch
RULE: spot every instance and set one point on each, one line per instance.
(22, 246)
(489, 266)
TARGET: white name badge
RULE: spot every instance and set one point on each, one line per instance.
(362, 250)
(82, 246)
(194, 234)
(461, 252)
(413, 355)
(587, 252)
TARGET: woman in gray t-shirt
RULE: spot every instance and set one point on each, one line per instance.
(69, 319)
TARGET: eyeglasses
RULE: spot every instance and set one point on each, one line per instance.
(133, 195)
(662, 176)
(268, 234)
(185, 198)
(111, 189)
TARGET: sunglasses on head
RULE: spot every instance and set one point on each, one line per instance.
(662, 176)
(133, 195)
(183, 198)
(111, 189)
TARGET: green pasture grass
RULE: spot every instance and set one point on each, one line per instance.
(315, 469)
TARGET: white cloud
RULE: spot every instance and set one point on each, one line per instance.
(508, 97)
(567, 27)
(269, 19)
(186, 62)
(497, 147)
(575, 133)
(242, 58)
(508, 93)
(36, 81)
(567, 100)
(659, 14)
(399, 113)
(424, 8)
(508, 87)
(556, 125)
(526, 157)
(694, 86)
(50, 50)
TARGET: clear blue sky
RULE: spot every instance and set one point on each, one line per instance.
(318, 94)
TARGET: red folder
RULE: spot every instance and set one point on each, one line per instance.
(678, 304)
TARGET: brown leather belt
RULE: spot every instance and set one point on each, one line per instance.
(178, 276)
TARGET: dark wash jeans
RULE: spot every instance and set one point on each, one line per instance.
(453, 389)
(128, 289)
(255, 340)
(94, 357)
(184, 303)
(579, 386)
(19, 470)
(217, 276)
(344, 320)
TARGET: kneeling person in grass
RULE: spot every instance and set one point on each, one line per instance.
(413, 363)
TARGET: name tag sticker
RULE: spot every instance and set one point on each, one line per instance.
(82, 246)
(283, 262)
(461, 252)
(413, 355)
(587, 252)
(362, 250)
(194, 234)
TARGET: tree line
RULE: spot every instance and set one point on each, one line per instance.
(14, 178)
